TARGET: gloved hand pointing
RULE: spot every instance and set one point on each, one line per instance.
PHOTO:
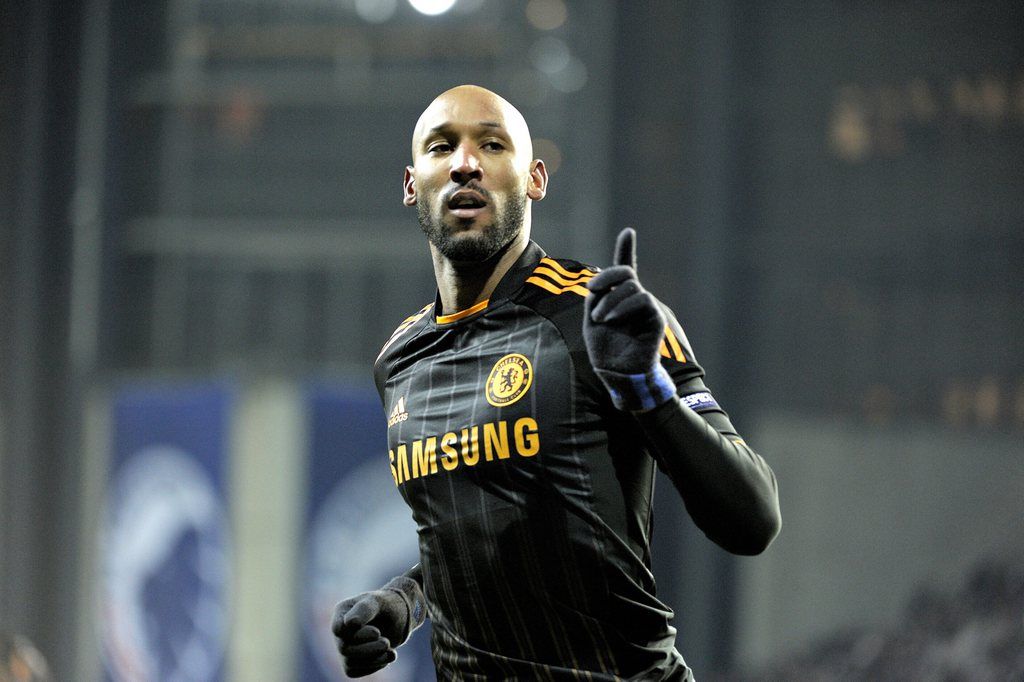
(623, 328)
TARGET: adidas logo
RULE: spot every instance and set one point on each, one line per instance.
(399, 414)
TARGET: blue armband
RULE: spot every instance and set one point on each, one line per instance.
(638, 392)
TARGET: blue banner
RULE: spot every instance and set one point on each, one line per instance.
(359, 531)
(164, 539)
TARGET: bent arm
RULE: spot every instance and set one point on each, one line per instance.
(728, 489)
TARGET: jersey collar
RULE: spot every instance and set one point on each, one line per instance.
(509, 284)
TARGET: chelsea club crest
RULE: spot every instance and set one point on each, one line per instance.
(509, 380)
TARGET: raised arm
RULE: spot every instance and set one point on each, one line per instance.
(729, 490)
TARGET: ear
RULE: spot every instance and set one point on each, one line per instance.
(537, 185)
(409, 187)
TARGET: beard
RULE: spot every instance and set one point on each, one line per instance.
(474, 247)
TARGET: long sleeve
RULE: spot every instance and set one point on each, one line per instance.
(728, 489)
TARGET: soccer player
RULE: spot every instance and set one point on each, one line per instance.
(527, 408)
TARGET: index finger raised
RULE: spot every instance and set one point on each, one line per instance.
(625, 248)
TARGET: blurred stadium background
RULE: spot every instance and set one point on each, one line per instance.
(202, 247)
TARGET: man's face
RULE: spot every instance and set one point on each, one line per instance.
(472, 174)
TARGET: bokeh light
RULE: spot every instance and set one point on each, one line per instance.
(549, 152)
(546, 15)
(376, 11)
(432, 8)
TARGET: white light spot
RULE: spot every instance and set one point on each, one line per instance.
(432, 7)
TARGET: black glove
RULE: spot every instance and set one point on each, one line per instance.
(369, 626)
(623, 329)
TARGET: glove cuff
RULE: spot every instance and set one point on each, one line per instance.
(412, 595)
(638, 392)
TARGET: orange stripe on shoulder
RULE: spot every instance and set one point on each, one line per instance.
(561, 279)
(555, 265)
(547, 285)
(555, 278)
(673, 342)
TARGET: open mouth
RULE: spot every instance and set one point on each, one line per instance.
(466, 204)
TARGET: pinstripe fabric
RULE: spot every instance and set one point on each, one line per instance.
(531, 493)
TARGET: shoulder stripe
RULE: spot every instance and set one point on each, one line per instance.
(555, 289)
(556, 279)
(406, 323)
(555, 265)
(560, 279)
(673, 342)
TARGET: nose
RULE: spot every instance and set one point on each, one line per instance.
(465, 165)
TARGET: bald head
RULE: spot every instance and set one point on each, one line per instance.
(471, 105)
(473, 176)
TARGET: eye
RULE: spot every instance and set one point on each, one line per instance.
(439, 148)
(493, 146)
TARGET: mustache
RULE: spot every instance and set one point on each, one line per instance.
(471, 185)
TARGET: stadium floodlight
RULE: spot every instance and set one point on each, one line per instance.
(432, 7)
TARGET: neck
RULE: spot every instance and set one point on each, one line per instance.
(463, 285)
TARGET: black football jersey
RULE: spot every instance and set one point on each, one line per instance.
(531, 492)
